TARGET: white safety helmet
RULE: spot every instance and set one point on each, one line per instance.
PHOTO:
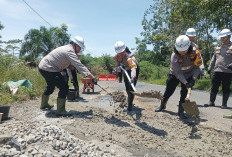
(224, 33)
(79, 41)
(182, 43)
(119, 47)
(191, 32)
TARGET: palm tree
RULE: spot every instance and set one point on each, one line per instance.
(42, 41)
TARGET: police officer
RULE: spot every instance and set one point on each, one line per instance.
(184, 69)
(221, 62)
(191, 34)
(51, 66)
(126, 59)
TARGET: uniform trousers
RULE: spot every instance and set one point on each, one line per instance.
(171, 84)
(54, 79)
(221, 78)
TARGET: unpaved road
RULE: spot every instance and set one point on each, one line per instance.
(139, 133)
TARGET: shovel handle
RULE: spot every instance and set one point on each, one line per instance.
(104, 89)
(189, 93)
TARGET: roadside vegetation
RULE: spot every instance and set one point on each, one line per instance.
(162, 23)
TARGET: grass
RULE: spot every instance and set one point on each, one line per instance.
(15, 69)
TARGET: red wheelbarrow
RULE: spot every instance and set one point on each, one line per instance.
(88, 84)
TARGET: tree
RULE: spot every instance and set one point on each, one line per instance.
(13, 45)
(167, 19)
(107, 62)
(42, 41)
(1, 27)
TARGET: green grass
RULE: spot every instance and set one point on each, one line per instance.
(15, 69)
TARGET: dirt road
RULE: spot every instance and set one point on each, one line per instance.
(103, 129)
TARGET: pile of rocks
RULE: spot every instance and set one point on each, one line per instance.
(33, 138)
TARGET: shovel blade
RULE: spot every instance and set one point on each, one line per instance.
(149, 94)
(191, 108)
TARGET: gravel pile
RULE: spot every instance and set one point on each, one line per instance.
(33, 138)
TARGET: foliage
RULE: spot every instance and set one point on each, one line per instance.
(1, 27)
(13, 45)
(12, 68)
(107, 62)
(101, 65)
(150, 72)
(41, 42)
(167, 19)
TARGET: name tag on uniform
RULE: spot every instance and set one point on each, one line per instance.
(186, 68)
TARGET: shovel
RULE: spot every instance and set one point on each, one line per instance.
(104, 89)
(190, 107)
(129, 79)
(149, 94)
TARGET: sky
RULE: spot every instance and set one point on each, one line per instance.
(100, 22)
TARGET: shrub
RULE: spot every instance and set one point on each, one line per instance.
(12, 69)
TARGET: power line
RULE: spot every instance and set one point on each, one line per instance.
(36, 13)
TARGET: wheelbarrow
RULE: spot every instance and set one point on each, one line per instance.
(88, 85)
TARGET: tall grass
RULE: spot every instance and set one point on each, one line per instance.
(13, 69)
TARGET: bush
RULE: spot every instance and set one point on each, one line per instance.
(11, 69)
(150, 72)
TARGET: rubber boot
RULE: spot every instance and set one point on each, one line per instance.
(44, 102)
(61, 108)
(78, 95)
(181, 111)
(130, 100)
(162, 106)
(225, 98)
(212, 100)
(228, 116)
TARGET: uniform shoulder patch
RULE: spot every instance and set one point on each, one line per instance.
(174, 60)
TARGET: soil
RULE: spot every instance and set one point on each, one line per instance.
(103, 120)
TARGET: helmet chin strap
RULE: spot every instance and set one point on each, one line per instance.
(75, 48)
(227, 40)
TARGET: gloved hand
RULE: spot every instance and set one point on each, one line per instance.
(94, 80)
(229, 67)
(188, 85)
(192, 82)
(133, 80)
(209, 71)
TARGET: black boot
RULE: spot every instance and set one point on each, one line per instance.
(162, 106)
(212, 100)
(181, 111)
(130, 100)
(225, 98)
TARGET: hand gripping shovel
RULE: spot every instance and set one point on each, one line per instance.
(190, 107)
(128, 77)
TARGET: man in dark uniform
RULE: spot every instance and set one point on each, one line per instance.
(126, 59)
(221, 62)
(184, 69)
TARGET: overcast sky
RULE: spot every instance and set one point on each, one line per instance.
(100, 22)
